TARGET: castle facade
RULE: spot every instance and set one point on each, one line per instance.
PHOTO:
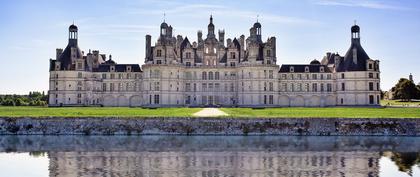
(239, 72)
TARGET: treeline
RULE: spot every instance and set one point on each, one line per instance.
(32, 99)
(406, 90)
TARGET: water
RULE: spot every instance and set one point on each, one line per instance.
(208, 156)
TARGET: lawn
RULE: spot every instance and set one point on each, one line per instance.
(26, 111)
(22, 111)
(325, 112)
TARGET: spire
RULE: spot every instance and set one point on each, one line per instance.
(164, 17)
(210, 28)
(211, 19)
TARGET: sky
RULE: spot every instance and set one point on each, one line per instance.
(30, 31)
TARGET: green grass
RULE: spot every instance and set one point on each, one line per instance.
(26, 111)
(399, 103)
(325, 112)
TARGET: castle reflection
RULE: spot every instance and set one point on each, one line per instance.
(208, 156)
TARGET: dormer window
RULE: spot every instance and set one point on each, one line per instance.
(188, 55)
(370, 66)
(159, 53)
(232, 55)
(207, 50)
(112, 68)
(268, 53)
(306, 69)
(321, 69)
(292, 69)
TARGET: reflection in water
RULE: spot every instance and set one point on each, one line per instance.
(208, 156)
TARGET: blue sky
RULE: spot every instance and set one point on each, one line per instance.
(30, 31)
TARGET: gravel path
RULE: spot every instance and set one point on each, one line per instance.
(210, 112)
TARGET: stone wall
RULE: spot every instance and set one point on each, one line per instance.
(209, 126)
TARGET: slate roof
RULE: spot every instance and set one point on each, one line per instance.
(301, 68)
(118, 68)
(348, 63)
(65, 57)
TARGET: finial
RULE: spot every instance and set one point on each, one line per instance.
(110, 57)
(355, 22)
(164, 16)
(257, 17)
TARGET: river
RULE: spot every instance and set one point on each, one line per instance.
(210, 156)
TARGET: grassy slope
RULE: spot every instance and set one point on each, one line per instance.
(95, 112)
(325, 112)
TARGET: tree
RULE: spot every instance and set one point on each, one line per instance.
(405, 90)
(418, 90)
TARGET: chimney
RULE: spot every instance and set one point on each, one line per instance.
(242, 43)
(148, 46)
(222, 37)
(58, 52)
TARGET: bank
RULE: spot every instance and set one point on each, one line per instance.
(209, 126)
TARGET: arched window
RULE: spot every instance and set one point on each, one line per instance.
(204, 76)
(210, 75)
(216, 75)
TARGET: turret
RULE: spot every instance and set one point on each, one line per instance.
(210, 28)
(73, 30)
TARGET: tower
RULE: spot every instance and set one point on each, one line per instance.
(355, 34)
(73, 35)
(257, 27)
(210, 28)
(410, 77)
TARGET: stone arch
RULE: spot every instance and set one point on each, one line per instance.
(315, 101)
(135, 101)
(298, 101)
(122, 101)
(284, 101)
(108, 100)
(330, 100)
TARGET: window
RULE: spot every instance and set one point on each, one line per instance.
(232, 64)
(292, 69)
(156, 99)
(216, 76)
(232, 55)
(322, 76)
(103, 76)
(299, 76)
(377, 87)
(306, 69)
(321, 69)
(268, 53)
(314, 87)
(270, 74)
(328, 76)
(187, 87)
(371, 99)
(204, 76)
(188, 55)
(370, 75)
(188, 64)
(270, 86)
(79, 75)
(329, 88)
(156, 86)
(370, 86)
(342, 75)
(210, 75)
(204, 87)
(111, 87)
(314, 77)
(158, 62)
(283, 76)
(343, 86)
(322, 87)
(370, 66)
(159, 53)
(79, 65)
(270, 99)
(265, 99)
